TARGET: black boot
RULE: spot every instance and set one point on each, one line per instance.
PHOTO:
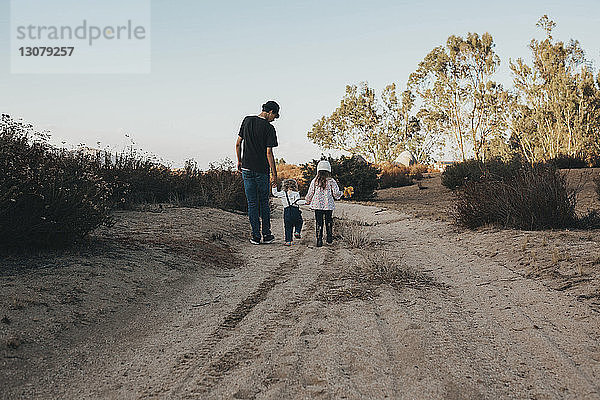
(329, 227)
(319, 235)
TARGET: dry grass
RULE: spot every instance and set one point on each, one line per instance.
(371, 271)
(382, 268)
(392, 175)
(355, 234)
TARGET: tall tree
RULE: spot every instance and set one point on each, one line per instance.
(558, 109)
(460, 99)
(377, 128)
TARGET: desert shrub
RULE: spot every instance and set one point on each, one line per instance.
(417, 171)
(382, 268)
(392, 175)
(456, 175)
(534, 198)
(355, 234)
(141, 179)
(135, 178)
(48, 197)
(564, 161)
(51, 196)
(219, 187)
(348, 171)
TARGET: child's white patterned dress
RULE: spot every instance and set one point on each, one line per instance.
(323, 199)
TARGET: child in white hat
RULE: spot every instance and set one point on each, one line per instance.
(321, 196)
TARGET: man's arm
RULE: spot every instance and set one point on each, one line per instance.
(238, 152)
(271, 160)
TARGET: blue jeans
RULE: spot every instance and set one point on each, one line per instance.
(256, 186)
(292, 219)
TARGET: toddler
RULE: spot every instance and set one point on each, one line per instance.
(292, 216)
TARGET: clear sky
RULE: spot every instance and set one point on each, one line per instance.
(215, 62)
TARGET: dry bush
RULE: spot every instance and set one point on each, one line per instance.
(381, 268)
(534, 198)
(355, 233)
(458, 174)
(219, 187)
(369, 272)
(564, 161)
(48, 197)
(53, 197)
(139, 179)
(417, 171)
(393, 175)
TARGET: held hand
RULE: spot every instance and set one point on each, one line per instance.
(239, 166)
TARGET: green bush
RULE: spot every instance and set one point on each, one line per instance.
(456, 175)
(48, 197)
(532, 199)
(348, 171)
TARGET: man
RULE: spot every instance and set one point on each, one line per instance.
(254, 150)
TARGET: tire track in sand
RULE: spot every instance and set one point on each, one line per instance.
(270, 324)
(198, 372)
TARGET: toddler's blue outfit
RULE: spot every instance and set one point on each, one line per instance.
(292, 216)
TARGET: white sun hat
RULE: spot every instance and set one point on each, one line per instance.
(324, 166)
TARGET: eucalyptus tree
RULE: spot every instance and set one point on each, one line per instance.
(460, 100)
(558, 108)
(377, 128)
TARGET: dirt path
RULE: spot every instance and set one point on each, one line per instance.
(295, 323)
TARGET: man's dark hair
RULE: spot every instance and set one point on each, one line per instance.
(271, 106)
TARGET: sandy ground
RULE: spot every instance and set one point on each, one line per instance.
(565, 260)
(178, 304)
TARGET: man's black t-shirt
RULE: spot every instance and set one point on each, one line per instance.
(257, 134)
